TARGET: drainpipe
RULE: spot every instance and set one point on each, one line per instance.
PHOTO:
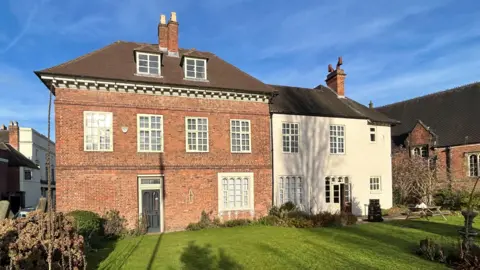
(272, 159)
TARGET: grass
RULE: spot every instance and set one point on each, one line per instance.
(387, 245)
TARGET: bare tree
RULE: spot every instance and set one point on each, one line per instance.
(414, 177)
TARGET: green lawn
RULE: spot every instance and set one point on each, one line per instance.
(387, 245)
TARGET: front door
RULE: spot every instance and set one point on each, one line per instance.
(151, 209)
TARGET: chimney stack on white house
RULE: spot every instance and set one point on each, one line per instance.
(336, 78)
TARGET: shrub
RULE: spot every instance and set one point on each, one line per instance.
(323, 219)
(271, 221)
(299, 223)
(140, 227)
(236, 222)
(455, 200)
(431, 250)
(204, 223)
(87, 223)
(394, 211)
(24, 243)
(113, 224)
(288, 206)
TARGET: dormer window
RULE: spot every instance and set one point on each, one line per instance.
(195, 68)
(148, 64)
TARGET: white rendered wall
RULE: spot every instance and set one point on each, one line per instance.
(34, 146)
(362, 159)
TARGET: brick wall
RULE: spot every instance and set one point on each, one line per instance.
(419, 136)
(100, 181)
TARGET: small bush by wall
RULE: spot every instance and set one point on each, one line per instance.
(87, 223)
(113, 224)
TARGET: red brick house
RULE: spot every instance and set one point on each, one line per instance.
(10, 162)
(444, 128)
(160, 131)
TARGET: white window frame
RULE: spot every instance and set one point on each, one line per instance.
(251, 194)
(372, 131)
(336, 141)
(196, 131)
(290, 137)
(470, 165)
(162, 135)
(420, 149)
(379, 190)
(298, 193)
(110, 149)
(241, 132)
(195, 68)
(25, 171)
(137, 63)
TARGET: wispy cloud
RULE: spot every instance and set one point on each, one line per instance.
(25, 27)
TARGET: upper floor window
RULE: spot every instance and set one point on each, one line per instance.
(195, 68)
(27, 175)
(240, 136)
(337, 139)
(197, 134)
(97, 131)
(373, 134)
(420, 151)
(290, 137)
(375, 183)
(148, 64)
(150, 133)
(473, 167)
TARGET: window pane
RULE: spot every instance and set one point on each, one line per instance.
(142, 57)
(143, 69)
(153, 71)
(200, 63)
(190, 62)
(191, 74)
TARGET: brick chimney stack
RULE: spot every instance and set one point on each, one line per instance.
(13, 134)
(172, 35)
(336, 78)
(163, 34)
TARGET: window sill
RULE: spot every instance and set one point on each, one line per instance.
(149, 75)
(150, 152)
(224, 211)
(196, 80)
(241, 152)
(98, 151)
(337, 154)
(197, 152)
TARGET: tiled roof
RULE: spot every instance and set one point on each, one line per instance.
(15, 158)
(451, 114)
(117, 62)
(321, 101)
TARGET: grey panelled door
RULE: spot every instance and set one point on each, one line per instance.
(151, 209)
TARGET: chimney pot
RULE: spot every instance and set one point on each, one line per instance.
(370, 105)
(163, 20)
(173, 16)
(4, 127)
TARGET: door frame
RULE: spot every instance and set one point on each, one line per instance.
(142, 187)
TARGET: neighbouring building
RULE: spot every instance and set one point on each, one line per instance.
(162, 132)
(443, 128)
(12, 164)
(330, 153)
(165, 133)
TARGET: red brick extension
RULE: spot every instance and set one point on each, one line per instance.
(458, 162)
(99, 181)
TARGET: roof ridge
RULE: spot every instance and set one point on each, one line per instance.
(429, 95)
(83, 56)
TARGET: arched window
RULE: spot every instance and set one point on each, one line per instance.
(473, 165)
(416, 151)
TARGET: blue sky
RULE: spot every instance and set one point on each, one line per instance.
(392, 50)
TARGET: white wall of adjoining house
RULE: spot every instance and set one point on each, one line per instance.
(34, 146)
(313, 162)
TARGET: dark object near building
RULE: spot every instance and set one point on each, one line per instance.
(374, 211)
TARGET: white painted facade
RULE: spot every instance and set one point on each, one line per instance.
(313, 162)
(35, 147)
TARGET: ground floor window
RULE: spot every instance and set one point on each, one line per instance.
(375, 183)
(473, 164)
(235, 191)
(291, 189)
